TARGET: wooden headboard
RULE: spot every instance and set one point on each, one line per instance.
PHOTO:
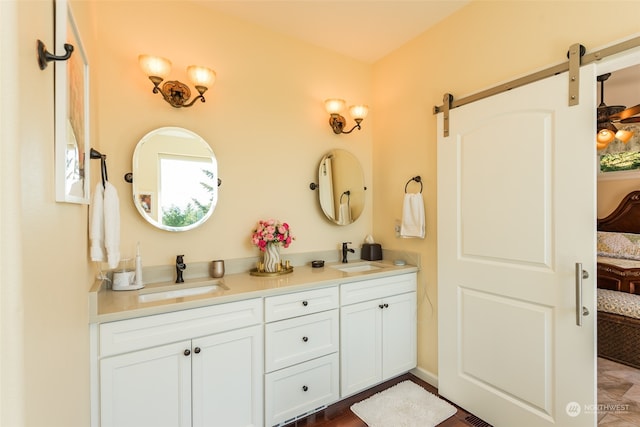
(625, 218)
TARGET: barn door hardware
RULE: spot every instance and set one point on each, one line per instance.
(576, 52)
(577, 57)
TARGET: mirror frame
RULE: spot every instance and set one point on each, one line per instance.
(341, 188)
(137, 193)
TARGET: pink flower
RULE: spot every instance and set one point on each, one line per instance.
(271, 231)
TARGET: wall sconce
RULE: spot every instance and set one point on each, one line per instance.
(337, 122)
(174, 92)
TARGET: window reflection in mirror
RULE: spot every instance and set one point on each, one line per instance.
(341, 187)
(175, 178)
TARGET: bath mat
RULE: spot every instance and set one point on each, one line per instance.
(406, 404)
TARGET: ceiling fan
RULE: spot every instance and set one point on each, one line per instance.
(608, 114)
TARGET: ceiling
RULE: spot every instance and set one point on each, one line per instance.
(622, 87)
(365, 30)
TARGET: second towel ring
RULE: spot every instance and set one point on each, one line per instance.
(416, 179)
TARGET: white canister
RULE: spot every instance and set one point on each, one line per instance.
(123, 280)
(124, 277)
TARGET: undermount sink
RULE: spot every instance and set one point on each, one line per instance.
(181, 291)
(359, 267)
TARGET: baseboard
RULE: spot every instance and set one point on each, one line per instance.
(426, 376)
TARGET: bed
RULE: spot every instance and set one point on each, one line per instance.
(618, 272)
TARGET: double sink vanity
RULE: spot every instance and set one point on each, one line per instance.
(247, 350)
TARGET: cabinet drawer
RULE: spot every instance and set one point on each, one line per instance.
(300, 303)
(366, 290)
(296, 340)
(144, 332)
(300, 389)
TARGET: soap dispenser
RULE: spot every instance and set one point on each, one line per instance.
(138, 281)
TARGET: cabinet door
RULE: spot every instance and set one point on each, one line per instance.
(227, 379)
(147, 388)
(360, 346)
(398, 334)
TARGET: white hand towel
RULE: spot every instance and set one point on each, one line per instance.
(111, 224)
(96, 224)
(413, 222)
(344, 214)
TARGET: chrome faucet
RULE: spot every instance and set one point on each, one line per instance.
(345, 249)
(180, 267)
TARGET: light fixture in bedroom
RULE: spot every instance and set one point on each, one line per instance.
(337, 122)
(176, 93)
(607, 131)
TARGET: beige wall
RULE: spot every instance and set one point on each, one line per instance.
(44, 272)
(611, 192)
(483, 44)
(264, 120)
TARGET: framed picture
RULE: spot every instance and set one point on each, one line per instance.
(145, 200)
(620, 160)
(71, 112)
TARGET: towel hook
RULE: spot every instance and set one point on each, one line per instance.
(416, 179)
(95, 154)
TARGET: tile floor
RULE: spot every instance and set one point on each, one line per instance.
(618, 394)
(618, 402)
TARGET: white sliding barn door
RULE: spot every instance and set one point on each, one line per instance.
(516, 212)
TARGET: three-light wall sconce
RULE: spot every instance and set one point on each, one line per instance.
(337, 122)
(176, 93)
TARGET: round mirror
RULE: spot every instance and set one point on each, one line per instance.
(175, 179)
(341, 187)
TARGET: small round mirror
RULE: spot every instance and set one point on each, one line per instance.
(341, 187)
(175, 179)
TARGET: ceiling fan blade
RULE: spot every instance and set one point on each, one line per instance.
(625, 114)
(631, 120)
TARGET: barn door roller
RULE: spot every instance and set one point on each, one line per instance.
(576, 52)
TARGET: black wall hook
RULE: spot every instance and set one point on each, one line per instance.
(44, 56)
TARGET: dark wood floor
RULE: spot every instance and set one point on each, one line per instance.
(339, 414)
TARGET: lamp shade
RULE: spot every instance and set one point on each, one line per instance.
(155, 66)
(358, 111)
(201, 76)
(624, 135)
(605, 136)
(334, 106)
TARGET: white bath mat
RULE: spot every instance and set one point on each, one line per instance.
(406, 404)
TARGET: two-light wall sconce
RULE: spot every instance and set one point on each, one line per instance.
(175, 92)
(337, 122)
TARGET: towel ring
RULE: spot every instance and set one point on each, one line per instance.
(416, 179)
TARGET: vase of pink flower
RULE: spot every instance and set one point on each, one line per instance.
(268, 236)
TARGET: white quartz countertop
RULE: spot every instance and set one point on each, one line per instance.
(106, 305)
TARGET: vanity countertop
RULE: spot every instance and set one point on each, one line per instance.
(106, 305)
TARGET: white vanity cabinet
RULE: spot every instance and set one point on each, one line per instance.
(378, 331)
(301, 353)
(197, 367)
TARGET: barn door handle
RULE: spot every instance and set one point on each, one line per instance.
(580, 309)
